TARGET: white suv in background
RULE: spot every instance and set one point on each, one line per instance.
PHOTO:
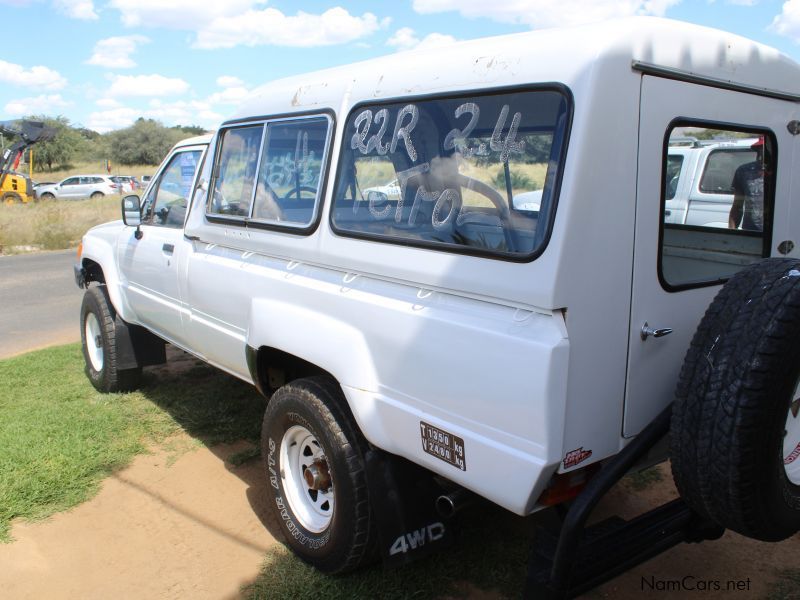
(79, 187)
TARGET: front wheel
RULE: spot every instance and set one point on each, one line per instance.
(99, 342)
(317, 488)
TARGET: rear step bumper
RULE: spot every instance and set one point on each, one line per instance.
(581, 558)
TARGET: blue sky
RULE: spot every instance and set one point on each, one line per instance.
(104, 63)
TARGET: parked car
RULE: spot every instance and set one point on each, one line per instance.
(79, 187)
(126, 183)
(390, 191)
(452, 342)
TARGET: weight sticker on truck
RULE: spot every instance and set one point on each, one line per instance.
(443, 445)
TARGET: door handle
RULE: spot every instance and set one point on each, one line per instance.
(647, 331)
(168, 248)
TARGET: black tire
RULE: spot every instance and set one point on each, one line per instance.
(317, 405)
(733, 397)
(103, 371)
(47, 196)
(12, 198)
(96, 195)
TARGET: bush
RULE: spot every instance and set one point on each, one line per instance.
(519, 181)
(145, 142)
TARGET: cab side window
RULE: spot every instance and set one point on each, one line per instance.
(169, 198)
(235, 171)
(717, 206)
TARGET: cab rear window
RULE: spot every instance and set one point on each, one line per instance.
(476, 174)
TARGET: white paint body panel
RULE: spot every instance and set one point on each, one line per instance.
(524, 361)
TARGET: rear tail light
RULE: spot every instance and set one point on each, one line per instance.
(113, 185)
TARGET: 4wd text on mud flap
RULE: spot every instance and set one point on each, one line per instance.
(417, 538)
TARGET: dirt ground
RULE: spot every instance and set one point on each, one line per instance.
(156, 530)
(194, 529)
(185, 523)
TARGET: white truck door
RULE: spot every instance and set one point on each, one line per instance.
(678, 268)
(151, 266)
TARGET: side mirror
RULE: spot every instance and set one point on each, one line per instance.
(132, 213)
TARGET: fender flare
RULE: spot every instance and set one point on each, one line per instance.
(310, 335)
(102, 253)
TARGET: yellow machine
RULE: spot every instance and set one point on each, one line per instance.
(13, 186)
(16, 188)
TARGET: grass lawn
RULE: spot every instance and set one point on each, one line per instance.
(54, 224)
(59, 437)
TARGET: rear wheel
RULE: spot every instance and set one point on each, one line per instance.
(12, 198)
(98, 339)
(96, 195)
(735, 432)
(314, 456)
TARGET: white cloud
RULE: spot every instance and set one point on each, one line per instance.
(405, 39)
(233, 91)
(228, 81)
(115, 118)
(108, 103)
(146, 85)
(77, 9)
(271, 26)
(178, 14)
(115, 52)
(169, 113)
(44, 104)
(37, 76)
(788, 22)
(185, 113)
(546, 13)
(231, 95)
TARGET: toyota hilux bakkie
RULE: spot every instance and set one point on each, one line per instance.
(350, 244)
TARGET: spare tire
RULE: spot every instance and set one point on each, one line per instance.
(735, 429)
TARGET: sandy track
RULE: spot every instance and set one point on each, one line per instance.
(187, 530)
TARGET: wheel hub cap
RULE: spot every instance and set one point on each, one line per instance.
(317, 477)
(94, 342)
(791, 440)
(306, 479)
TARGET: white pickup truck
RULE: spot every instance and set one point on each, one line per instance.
(699, 179)
(528, 352)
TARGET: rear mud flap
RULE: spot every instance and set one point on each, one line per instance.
(403, 498)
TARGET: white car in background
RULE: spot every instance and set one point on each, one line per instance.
(126, 183)
(79, 187)
(391, 190)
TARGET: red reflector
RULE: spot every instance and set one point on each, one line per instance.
(566, 486)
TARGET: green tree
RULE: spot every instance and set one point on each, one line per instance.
(145, 142)
(191, 130)
(62, 149)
